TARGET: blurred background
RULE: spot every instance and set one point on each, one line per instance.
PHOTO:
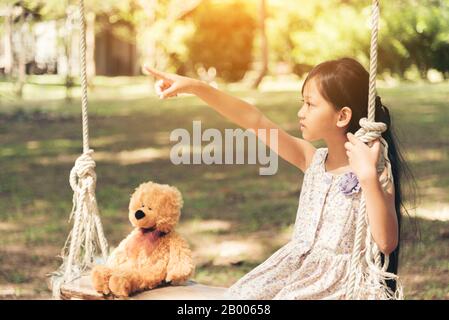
(258, 50)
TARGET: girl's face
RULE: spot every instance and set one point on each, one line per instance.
(317, 117)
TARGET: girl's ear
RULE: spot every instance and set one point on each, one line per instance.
(344, 117)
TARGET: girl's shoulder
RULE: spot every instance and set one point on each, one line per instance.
(317, 158)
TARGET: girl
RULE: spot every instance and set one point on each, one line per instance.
(314, 264)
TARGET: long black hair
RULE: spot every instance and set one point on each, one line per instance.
(345, 83)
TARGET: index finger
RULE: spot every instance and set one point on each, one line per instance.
(156, 73)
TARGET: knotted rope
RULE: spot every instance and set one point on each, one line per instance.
(87, 228)
(367, 277)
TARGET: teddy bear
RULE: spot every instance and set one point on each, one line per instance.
(153, 253)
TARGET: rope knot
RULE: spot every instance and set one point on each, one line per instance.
(370, 130)
(83, 170)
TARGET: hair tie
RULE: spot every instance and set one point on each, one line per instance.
(379, 104)
(378, 101)
(382, 111)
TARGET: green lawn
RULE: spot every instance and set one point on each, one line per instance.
(233, 217)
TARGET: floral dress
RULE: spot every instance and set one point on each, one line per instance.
(314, 264)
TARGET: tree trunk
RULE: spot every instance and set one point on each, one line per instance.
(148, 51)
(8, 43)
(21, 65)
(264, 44)
(90, 47)
(68, 77)
(67, 44)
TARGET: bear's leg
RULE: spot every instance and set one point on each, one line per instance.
(122, 282)
(153, 276)
(125, 282)
(100, 279)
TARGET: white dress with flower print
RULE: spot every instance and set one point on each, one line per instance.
(314, 264)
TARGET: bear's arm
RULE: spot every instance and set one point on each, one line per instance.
(119, 256)
(180, 265)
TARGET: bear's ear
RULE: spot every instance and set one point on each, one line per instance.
(170, 205)
(171, 201)
(176, 197)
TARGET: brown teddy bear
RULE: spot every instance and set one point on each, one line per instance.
(153, 253)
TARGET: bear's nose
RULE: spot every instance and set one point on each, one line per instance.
(139, 214)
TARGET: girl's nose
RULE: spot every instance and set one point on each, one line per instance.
(300, 113)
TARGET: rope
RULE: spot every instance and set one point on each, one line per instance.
(367, 277)
(87, 228)
(82, 26)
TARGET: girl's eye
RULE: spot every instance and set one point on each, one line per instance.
(306, 102)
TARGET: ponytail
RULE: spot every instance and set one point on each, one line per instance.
(400, 170)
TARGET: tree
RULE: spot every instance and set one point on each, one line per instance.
(7, 25)
(440, 58)
(414, 31)
(225, 44)
(19, 20)
(264, 43)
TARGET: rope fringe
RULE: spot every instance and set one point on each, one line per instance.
(79, 251)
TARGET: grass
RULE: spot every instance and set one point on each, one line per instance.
(232, 217)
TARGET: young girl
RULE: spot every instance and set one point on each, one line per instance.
(314, 264)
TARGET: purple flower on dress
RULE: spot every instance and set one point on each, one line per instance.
(349, 184)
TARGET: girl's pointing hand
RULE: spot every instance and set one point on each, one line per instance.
(170, 85)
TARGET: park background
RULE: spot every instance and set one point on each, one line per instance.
(257, 50)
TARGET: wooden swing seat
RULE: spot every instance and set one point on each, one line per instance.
(81, 289)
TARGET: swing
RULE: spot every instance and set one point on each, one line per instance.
(367, 275)
(72, 280)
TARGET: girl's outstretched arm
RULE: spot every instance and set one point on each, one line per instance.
(296, 151)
